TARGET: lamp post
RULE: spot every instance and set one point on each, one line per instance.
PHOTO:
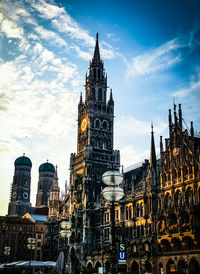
(31, 246)
(65, 231)
(7, 253)
(113, 193)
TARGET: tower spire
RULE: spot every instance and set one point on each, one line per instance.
(153, 151)
(55, 180)
(96, 57)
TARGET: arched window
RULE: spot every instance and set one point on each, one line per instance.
(94, 71)
(105, 125)
(97, 123)
(93, 93)
(99, 74)
(97, 142)
(100, 94)
(137, 211)
(105, 144)
(176, 198)
(130, 212)
(141, 210)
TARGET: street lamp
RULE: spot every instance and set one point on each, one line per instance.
(113, 193)
(31, 246)
(65, 231)
(7, 252)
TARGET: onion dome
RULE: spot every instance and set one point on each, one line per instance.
(23, 161)
(47, 167)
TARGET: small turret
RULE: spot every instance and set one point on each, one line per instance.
(170, 122)
(153, 151)
(192, 129)
(180, 117)
(111, 101)
(161, 148)
(175, 117)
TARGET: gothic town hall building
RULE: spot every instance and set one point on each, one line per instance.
(158, 219)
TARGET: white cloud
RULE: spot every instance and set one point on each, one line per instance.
(50, 36)
(65, 24)
(155, 60)
(47, 10)
(193, 86)
(11, 29)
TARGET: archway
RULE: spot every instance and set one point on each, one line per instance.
(161, 268)
(181, 267)
(89, 268)
(170, 267)
(97, 265)
(135, 267)
(193, 266)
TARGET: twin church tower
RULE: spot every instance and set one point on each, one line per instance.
(21, 186)
(95, 152)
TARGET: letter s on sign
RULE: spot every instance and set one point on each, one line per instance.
(122, 247)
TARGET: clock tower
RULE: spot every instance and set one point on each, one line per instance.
(95, 153)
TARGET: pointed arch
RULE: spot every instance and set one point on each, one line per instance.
(100, 94)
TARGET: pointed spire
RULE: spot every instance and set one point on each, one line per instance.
(81, 99)
(180, 117)
(175, 117)
(96, 57)
(111, 101)
(192, 129)
(153, 151)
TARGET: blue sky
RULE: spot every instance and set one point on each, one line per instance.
(151, 54)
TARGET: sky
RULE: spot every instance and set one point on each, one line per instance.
(151, 53)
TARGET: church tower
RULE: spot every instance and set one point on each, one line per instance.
(95, 153)
(21, 188)
(46, 175)
(54, 202)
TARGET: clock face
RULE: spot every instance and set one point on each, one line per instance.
(25, 195)
(176, 151)
(83, 124)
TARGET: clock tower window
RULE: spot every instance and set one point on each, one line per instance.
(100, 94)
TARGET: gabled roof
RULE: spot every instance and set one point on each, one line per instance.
(36, 218)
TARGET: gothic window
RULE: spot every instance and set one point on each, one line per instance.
(149, 229)
(106, 217)
(126, 212)
(130, 212)
(97, 143)
(93, 93)
(94, 71)
(105, 144)
(105, 125)
(106, 234)
(166, 201)
(137, 211)
(177, 198)
(117, 214)
(104, 95)
(138, 231)
(100, 94)
(99, 76)
(97, 123)
(141, 210)
(142, 230)
(189, 196)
